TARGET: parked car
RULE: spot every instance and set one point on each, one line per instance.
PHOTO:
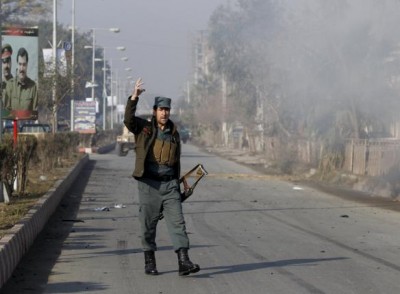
(186, 134)
(35, 128)
(9, 129)
(63, 128)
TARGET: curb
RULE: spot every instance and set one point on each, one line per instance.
(106, 148)
(100, 150)
(17, 241)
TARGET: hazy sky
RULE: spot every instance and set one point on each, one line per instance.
(156, 34)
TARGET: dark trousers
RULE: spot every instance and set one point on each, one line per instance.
(155, 196)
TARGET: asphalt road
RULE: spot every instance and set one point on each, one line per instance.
(250, 234)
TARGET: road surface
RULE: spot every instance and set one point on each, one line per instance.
(250, 233)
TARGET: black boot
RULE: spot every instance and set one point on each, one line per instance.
(150, 267)
(186, 267)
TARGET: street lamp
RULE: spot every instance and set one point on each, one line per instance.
(114, 30)
(120, 48)
(116, 88)
(121, 87)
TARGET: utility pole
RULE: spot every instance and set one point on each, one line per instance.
(55, 120)
(1, 83)
(224, 126)
(104, 90)
(73, 67)
(4, 197)
(1, 98)
(93, 59)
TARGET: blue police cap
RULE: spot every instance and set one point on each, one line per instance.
(162, 102)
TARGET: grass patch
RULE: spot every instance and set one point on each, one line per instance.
(13, 211)
(38, 185)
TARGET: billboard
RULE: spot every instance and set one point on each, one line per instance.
(48, 62)
(19, 54)
(85, 116)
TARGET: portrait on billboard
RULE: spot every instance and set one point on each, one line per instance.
(6, 64)
(20, 73)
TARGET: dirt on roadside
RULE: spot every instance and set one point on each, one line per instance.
(340, 188)
(38, 184)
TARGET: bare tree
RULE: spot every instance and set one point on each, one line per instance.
(24, 9)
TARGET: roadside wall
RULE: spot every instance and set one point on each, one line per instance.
(371, 157)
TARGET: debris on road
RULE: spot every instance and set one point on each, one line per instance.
(105, 208)
(119, 206)
(297, 188)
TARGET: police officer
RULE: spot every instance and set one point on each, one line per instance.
(6, 52)
(6, 63)
(157, 170)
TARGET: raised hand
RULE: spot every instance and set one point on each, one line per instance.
(138, 88)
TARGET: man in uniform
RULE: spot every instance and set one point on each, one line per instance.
(157, 170)
(6, 52)
(6, 63)
(21, 91)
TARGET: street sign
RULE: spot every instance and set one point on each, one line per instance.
(67, 46)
